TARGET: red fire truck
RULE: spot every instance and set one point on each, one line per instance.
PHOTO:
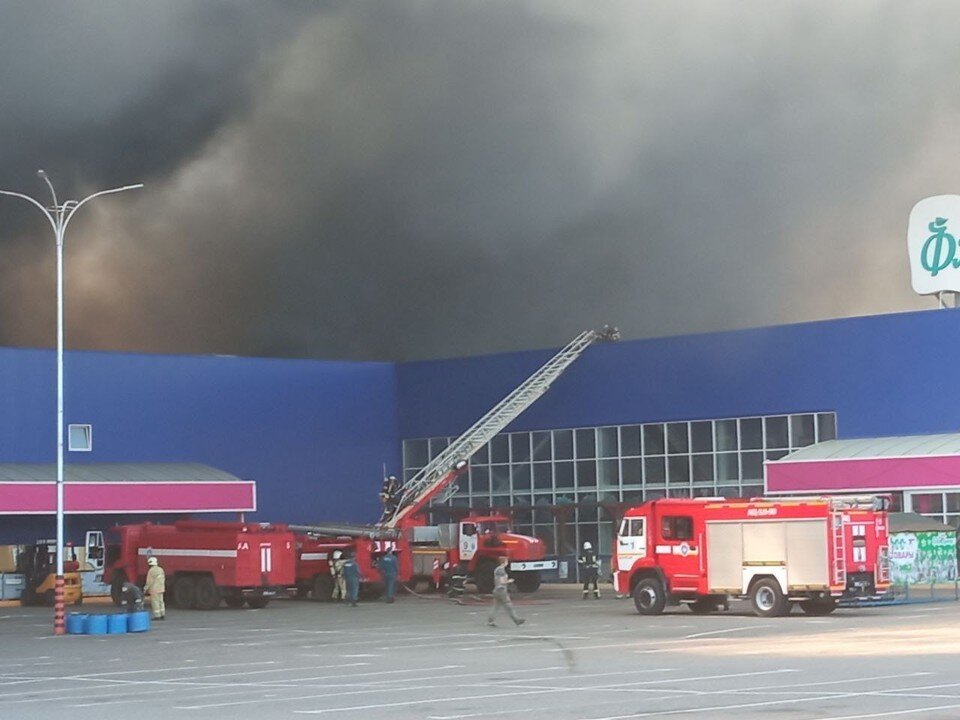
(205, 562)
(701, 552)
(315, 553)
(475, 542)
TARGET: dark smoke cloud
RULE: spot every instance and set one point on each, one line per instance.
(417, 179)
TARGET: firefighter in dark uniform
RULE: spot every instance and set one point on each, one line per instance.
(389, 496)
(590, 570)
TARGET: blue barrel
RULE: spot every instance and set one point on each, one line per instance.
(117, 624)
(75, 623)
(97, 625)
(138, 621)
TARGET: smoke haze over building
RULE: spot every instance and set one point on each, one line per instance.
(421, 178)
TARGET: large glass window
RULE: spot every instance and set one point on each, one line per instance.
(586, 474)
(545, 470)
(751, 434)
(653, 440)
(542, 447)
(630, 440)
(520, 447)
(701, 437)
(632, 471)
(677, 440)
(563, 444)
(415, 453)
(586, 444)
(678, 470)
(607, 441)
(726, 434)
(777, 433)
(802, 430)
(500, 449)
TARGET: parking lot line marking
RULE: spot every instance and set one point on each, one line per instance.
(233, 689)
(769, 703)
(189, 682)
(724, 631)
(891, 713)
(462, 698)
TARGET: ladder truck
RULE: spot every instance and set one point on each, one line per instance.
(474, 543)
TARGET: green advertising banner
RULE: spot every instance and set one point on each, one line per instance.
(923, 557)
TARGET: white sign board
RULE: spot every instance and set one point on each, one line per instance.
(932, 242)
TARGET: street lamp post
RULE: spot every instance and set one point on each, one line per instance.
(59, 217)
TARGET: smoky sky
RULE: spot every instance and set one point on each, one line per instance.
(416, 179)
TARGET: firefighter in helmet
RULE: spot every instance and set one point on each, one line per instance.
(590, 570)
(155, 587)
(336, 571)
(389, 496)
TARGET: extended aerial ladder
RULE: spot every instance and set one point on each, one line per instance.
(436, 475)
(439, 473)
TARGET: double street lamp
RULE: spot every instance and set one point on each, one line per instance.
(59, 216)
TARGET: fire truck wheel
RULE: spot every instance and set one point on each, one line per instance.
(528, 582)
(116, 587)
(322, 588)
(649, 596)
(183, 591)
(234, 601)
(257, 603)
(818, 607)
(484, 576)
(767, 598)
(206, 595)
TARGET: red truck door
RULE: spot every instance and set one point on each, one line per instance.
(677, 549)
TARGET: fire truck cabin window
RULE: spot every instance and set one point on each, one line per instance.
(469, 529)
(676, 527)
(631, 527)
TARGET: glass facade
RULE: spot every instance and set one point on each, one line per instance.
(567, 486)
(942, 506)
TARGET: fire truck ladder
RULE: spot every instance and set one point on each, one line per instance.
(839, 552)
(440, 471)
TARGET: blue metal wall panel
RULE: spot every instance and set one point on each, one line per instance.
(883, 375)
(313, 435)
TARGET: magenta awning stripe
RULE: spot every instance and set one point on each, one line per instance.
(855, 475)
(128, 497)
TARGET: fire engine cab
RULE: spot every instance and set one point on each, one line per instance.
(701, 552)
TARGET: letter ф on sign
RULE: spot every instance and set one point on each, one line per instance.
(934, 256)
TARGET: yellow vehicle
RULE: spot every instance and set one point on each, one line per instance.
(38, 565)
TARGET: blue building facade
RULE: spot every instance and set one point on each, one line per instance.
(313, 435)
(628, 421)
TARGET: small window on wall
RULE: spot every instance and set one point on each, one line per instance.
(676, 527)
(80, 438)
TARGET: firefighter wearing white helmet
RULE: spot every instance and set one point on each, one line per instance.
(155, 587)
(336, 571)
(589, 571)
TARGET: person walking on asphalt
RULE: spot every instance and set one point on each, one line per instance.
(388, 570)
(336, 571)
(590, 567)
(501, 594)
(351, 576)
(155, 587)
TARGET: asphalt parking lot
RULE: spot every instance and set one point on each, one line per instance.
(432, 659)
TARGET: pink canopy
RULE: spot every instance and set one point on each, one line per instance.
(124, 488)
(876, 464)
